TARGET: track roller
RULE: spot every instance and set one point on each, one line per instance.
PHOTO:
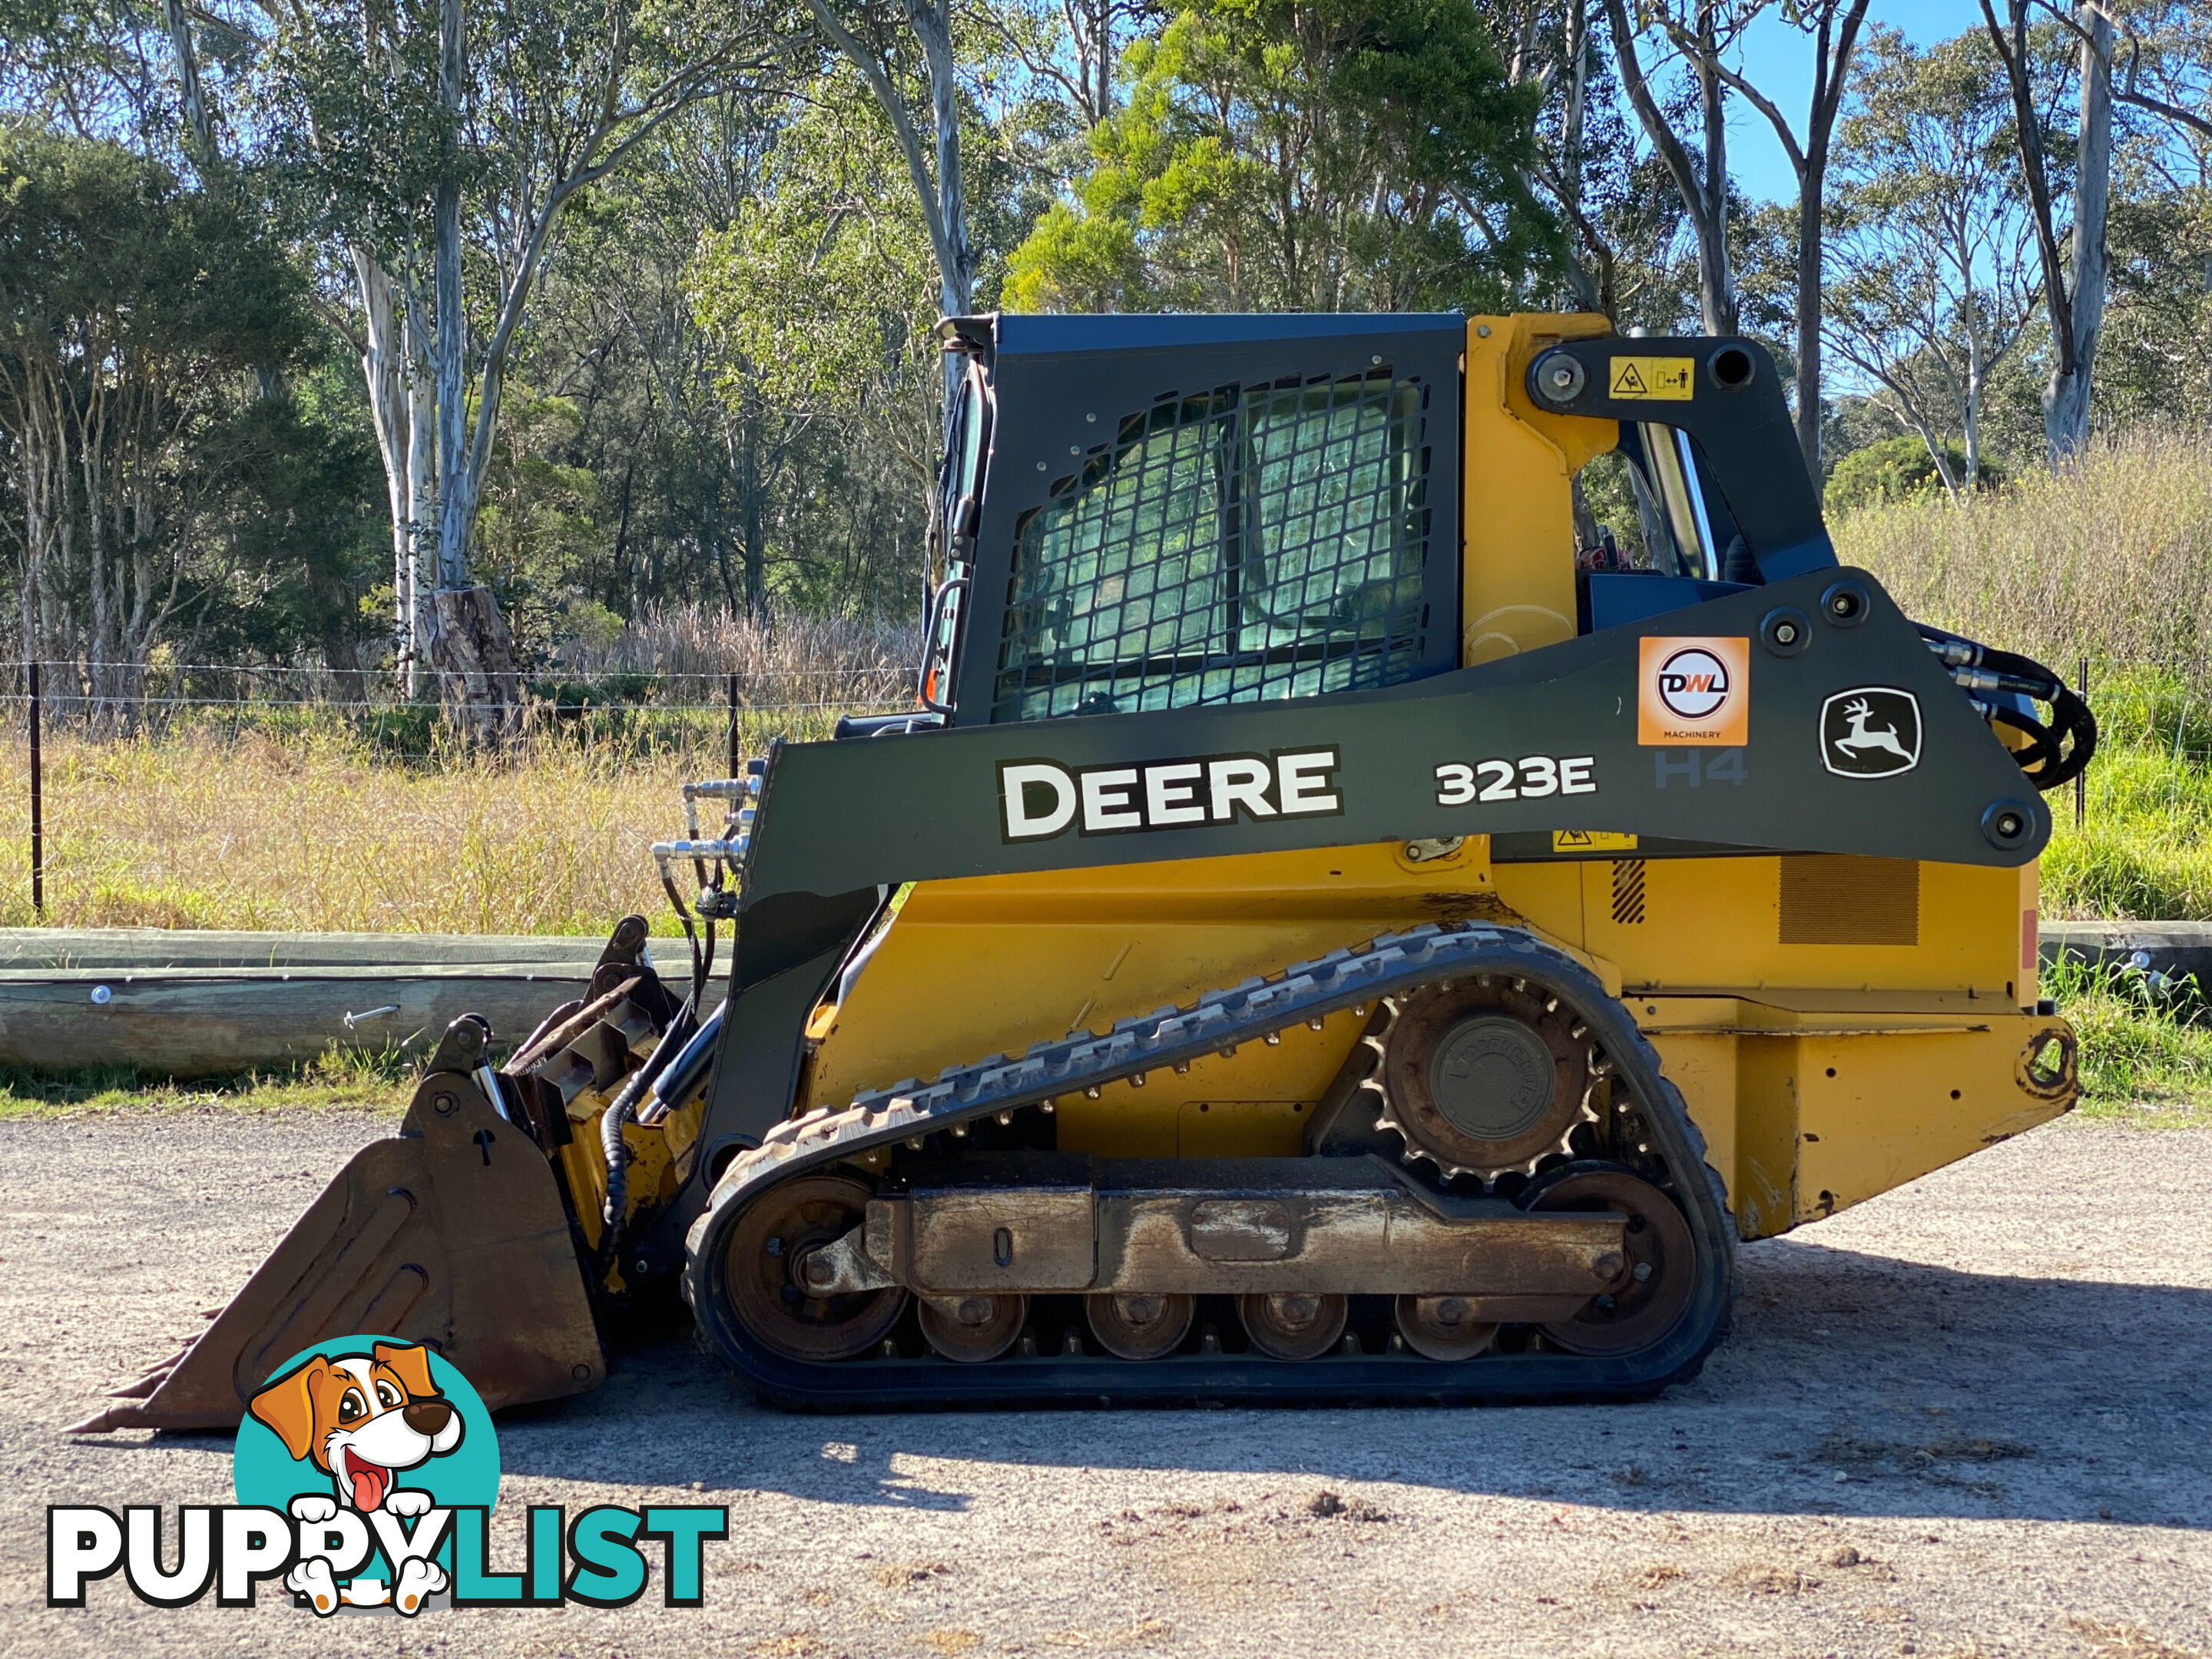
(765, 1270)
(1443, 1326)
(1140, 1327)
(974, 1328)
(1659, 1276)
(1293, 1326)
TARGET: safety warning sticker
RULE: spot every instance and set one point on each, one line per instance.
(1663, 379)
(1592, 841)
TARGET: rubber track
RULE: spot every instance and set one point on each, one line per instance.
(1248, 1012)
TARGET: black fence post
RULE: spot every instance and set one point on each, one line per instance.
(2082, 778)
(734, 745)
(37, 807)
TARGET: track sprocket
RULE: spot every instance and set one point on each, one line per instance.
(1484, 1075)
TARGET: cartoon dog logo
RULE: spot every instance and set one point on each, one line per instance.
(363, 1422)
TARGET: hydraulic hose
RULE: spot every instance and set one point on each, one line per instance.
(1998, 681)
(685, 1073)
(614, 1216)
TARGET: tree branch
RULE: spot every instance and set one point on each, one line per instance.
(1676, 158)
(2013, 52)
(1751, 94)
(2129, 93)
(894, 107)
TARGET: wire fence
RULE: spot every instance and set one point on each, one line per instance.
(129, 702)
(670, 666)
(172, 795)
(178, 792)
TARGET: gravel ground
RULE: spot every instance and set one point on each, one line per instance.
(1969, 1417)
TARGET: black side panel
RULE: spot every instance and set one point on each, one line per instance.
(756, 1066)
(782, 930)
(1733, 408)
(1068, 390)
(1375, 764)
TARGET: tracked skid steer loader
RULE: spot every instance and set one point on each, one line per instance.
(1325, 931)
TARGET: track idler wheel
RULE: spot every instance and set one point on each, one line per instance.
(764, 1271)
(1659, 1278)
(974, 1328)
(1140, 1327)
(1298, 1326)
(1443, 1326)
(1480, 1078)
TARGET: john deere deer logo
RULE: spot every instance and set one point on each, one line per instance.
(1873, 731)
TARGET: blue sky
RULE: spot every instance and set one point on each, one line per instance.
(1778, 61)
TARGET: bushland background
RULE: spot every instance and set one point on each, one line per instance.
(315, 314)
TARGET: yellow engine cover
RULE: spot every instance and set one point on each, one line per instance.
(1827, 1053)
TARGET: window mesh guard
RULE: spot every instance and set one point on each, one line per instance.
(1250, 543)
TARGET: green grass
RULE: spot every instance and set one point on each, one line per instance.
(2146, 1056)
(2145, 849)
(339, 1078)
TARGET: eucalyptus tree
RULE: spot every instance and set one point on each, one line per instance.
(903, 50)
(2154, 358)
(90, 68)
(137, 317)
(1832, 28)
(2161, 63)
(2075, 262)
(1072, 46)
(818, 296)
(1937, 276)
(440, 161)
(1697, 33)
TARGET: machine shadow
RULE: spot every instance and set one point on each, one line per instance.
(1852, 1384)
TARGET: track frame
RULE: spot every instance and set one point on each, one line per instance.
(911, 1111)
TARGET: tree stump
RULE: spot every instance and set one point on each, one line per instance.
(473, 653)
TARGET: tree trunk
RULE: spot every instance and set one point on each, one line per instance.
(421, 482)
(932, 27)
(1810, 299)
(1584, 291)
(452, 325)
(1832, 77)
(384, 367)
(189, 92)
(932, 21)
(2066, 400)
(90, 454)
(1717, 301)
(750, 488)
(470, 643)
(474, 657)
(1976, 374)
(1703, 190)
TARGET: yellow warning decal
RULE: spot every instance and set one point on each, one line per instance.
(1591, 841)
(1661, 380)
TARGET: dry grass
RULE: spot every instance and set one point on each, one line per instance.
(315, 832)
(2110, 560)
(793, 660)
(295, 816)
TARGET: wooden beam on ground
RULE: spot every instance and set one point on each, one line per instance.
(186, 1004)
